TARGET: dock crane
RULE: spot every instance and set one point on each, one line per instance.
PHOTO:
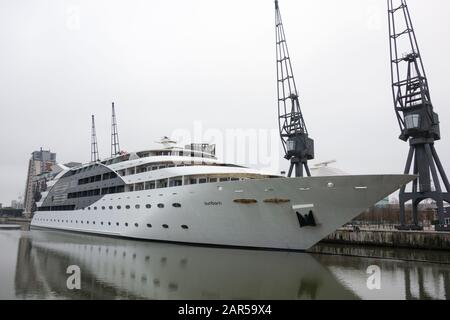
(419, 124)
(297, 145)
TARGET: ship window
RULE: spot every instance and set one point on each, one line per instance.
(161, 183)
(119, 207)
(223, 179)
(150, 185)
(176, 205)
(136, 225)
(212, 179)
(109, 223)
(127, 207)
(192, 181)
(93, 222)
(87, 222)
(95, 208)
(160, 205)
(110, 207)
(148, 206)
(139, 186)
(234, 179)
(101, 223)
(81, 221)
(149, 225)
(103, 208)
(117, 224)
(202, 180)
(126, 224)
(76, 221)
(89, 208)
(165, 226)
(137, 206)
(184, 226)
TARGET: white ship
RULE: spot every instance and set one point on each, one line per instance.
(187, 195)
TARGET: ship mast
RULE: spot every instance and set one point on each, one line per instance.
(94, 146)
(115, 148)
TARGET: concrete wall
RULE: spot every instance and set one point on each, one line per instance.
(394, 238)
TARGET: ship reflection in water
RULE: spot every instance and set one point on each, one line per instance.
(34, 264)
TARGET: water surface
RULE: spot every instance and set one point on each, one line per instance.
(34, 265)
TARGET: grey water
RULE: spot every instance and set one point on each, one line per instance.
(34, 265)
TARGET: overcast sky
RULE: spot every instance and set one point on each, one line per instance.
(169, 64)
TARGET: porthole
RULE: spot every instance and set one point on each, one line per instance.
(127, 207)
(165, 226)
(160, 205)
(117, 224)
(81, 221)
(137, 206)
(101, 223)
(119, 207)
(87, 222)
(95, 208)
(93, 222)
(184, 226)
(76, 221)
(89, 208)
(136, 225)
(110, 207)
(148, 206)
(103, 208)
(149, 225)
(109, 223)
(176, 205)
(126, 224)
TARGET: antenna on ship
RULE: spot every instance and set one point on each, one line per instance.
(298, 147)
(115, 148)
(94, 145)
(419, 124)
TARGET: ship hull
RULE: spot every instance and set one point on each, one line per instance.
(262, 213)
